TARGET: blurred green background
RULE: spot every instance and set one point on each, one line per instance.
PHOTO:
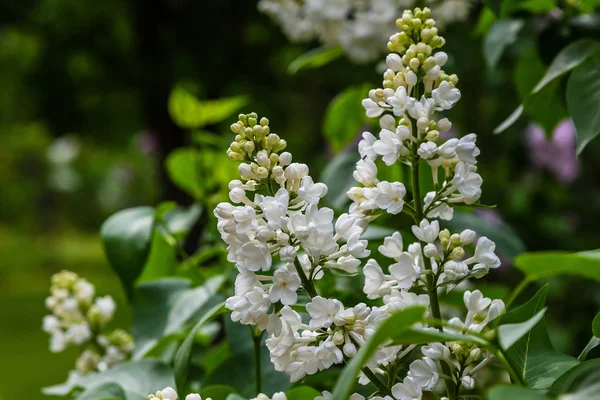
(85, 131)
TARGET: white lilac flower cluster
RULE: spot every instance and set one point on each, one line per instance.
(79, 318)
(169, 393)
(282, 241)
(360, 27)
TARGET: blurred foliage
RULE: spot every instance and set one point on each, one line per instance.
(78, 141)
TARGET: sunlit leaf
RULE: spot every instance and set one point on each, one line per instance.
(302, 393)
(315, 58)
(578, 378)
(514, 393)
(345, 116)
(545, 264)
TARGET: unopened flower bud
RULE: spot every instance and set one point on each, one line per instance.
(468, 382)
(474, 356)
(285, 158)
(444, 234)
(467, 236)
(349, 349)
(457, 253)
(444, 125)
(430, 250)
(432, 136)
(414, 64)
(338, 338)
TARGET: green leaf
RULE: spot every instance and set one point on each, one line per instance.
(216, 392)
(107, 390)
(139, 377)
(337, 175)
(566, 60)
(126, 236)
(189, 112)
(512, 118)
(184, 353)
(502, 34)
(236, 397)
(180, 220)
(315, 58)
(596, 325)
(422, 336)
(547, 107)
(532, 356)
(508, 243)
(545, 264)
(577, 378)
(182, 166)
(162, 260)
(391, 328)
(583, 100)
(515, 393)
(345, 116)
(302, 393)
(163, 307)
(494, 5)
(509, 334)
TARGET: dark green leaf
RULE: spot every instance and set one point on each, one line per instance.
(502, 33)
(302, 393)
(126, 236)
(515, 393)
(569, 58)
(217, 392)
(345, 117)
(532, 356)
(583, 100)
(391, 328)
(139, 377)
(236, 397)
(547, 107)
(494, 5)
(180, 220)
(184, 353)
(162, 260)
(337, 175)
(512, 118)
(315, 58)
(107, 390)
(509, 334)
(596, 325)
(507, 241)
(578, 378)
(163, 307)
(545, 264)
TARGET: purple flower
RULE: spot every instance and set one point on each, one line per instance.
(557, 155)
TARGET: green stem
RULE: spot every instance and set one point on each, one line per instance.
(381, 386)
(451, 387)
(517, 291)
(306, 283)
(514, 377)
(256, 337)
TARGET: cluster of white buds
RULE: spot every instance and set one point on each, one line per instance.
(169, 393)
(359, 27)
(282, 242)
(80, 318)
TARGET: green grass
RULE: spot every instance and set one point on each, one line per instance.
(27, 265)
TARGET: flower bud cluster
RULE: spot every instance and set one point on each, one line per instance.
(360, 27)
(80, 318)
(169, 393)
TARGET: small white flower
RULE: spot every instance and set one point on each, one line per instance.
(427, 150)
(255, 256)
(58, 342)
(348, 264)
(375, 283)
(284, 287)
(392, 246)
(468, 182)
(365, 146)
(50, 323)
(436, 351)
(484, 254)
(79, 333)
(373, 110)
(424, 373)
(475, 302)
(407, 390)
(388, 122)
(388, 146)
(394, 62)
(193, 396)
(405, 271)
(427, 231)
(311, 192)
(322, 311)
(422, 108)
(400, 101)
(466, 150)
(168, 393)
(106, 307)
(245, 217)
(366, 172)
(357, 247)
(467, 382)
(390, 196)
(445, 96)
